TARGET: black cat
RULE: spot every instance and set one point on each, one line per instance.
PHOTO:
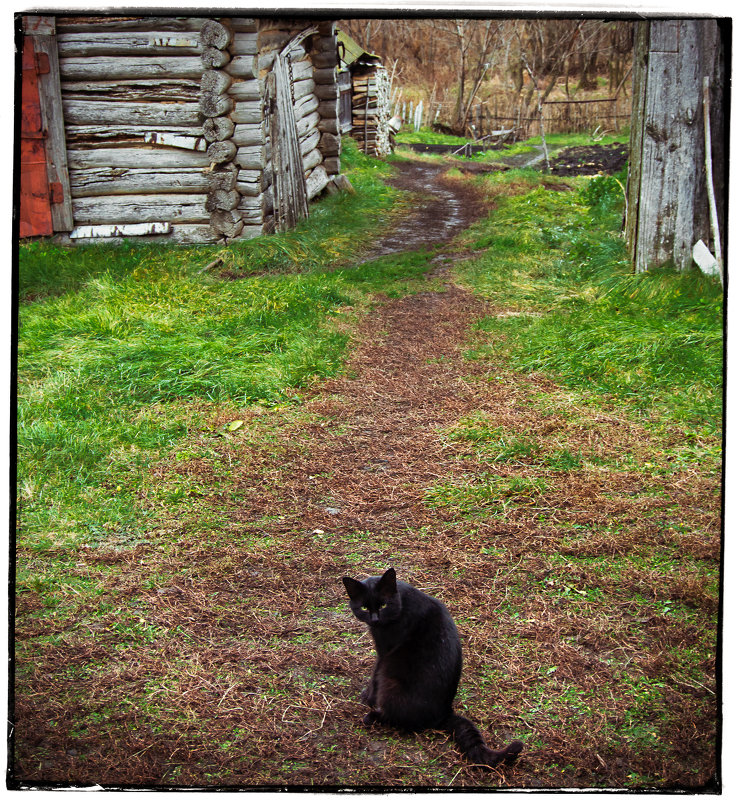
(418, 665)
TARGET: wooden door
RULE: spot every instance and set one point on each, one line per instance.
(35, 194)
(45, 204)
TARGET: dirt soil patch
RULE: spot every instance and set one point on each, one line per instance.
(590, 160)
(250, 666)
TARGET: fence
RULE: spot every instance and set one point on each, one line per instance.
(559, 116)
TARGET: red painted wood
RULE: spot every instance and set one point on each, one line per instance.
(35, 199)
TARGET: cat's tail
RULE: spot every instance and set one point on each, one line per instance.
(469, 740)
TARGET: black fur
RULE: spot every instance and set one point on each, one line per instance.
(418, 665)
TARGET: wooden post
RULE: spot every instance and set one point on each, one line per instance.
(668, 207)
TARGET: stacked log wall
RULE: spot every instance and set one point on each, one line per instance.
(167, 124)
(231, 103)
(135, 147)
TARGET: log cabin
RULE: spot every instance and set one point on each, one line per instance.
(181, 129)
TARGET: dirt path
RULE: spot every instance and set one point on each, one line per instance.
(444, 208)
(406, 382)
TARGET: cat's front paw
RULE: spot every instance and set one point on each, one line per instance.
(371, 718)
(367, 697)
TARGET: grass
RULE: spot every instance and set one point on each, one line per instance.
(123, 349)
(577, 312)
(182, 437)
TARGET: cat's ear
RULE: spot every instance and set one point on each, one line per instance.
(354, 588)
(388, 582)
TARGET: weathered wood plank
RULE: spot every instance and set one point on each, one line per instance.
(99, 181)
(132, 135)
(129, 67)
(303, 88)
(327, 91)
(248, 185)
(325, 75)
(97, 23)
(306, 105)
(246, 112)
(243, 66)
(244, 135)
(328, 108)
(80, 112)
(671, 177)
(309, 141)
(139, 91)
(160, 43)
(132, 157)
(252, 157)
(307, 122)
(328, 125)
(290, 199)
(244, 91)
(311, 159)
(166, 139)
(127, 209)
(251, 204)
(178, 234)
(245, 44)
(316, 181)
(302, 69)
(109, 231)
(49, 89)
(243, 24)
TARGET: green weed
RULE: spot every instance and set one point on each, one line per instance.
(486, 491)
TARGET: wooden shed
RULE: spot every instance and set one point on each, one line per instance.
(182, 129)
(365, 97)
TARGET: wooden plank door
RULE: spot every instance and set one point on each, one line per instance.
(35, 194)
(45, 191)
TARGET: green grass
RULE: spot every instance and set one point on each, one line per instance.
(427, 136)
(557, 261)
(123, 349)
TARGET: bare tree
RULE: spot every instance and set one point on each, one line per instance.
(473, 41)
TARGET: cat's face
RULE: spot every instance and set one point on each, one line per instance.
(375, 601)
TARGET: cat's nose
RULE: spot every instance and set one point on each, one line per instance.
(374, 617)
